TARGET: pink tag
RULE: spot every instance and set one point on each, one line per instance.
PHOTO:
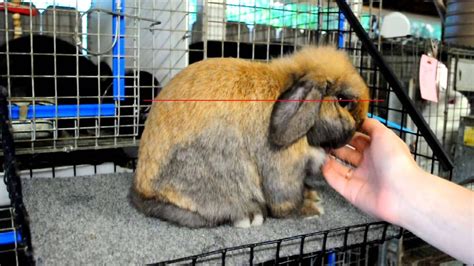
(428, 69)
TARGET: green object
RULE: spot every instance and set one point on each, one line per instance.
(298, 16)
(302, 16)
(295, 15)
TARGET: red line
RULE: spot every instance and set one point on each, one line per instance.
(257, 100)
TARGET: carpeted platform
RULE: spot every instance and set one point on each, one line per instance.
(88, 220)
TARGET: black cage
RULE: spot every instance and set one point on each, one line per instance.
(326, 22)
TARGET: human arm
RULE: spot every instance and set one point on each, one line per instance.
(387, 183)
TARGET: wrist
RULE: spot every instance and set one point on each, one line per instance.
(411, 195)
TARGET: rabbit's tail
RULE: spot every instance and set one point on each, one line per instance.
(168, 212)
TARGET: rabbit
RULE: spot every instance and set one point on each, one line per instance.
(140, 87)
(452, 106)
(88, 86)
(205, 164)
(45, 66)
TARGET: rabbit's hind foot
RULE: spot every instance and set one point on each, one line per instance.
(257, 220)
(311, 209)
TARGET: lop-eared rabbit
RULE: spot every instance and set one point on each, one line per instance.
(245, 154)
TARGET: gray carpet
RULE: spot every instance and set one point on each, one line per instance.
(88, 220)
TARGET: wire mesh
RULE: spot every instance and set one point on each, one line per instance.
(15, 239)
(128, 59)
(81, 90)
(309, 255)
(443, 117)
(13, 251)
(74, 72)
(218, 32)
(261, 31)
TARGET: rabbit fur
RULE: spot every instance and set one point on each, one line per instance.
(203, 164)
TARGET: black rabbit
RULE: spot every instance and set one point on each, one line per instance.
(54, 71)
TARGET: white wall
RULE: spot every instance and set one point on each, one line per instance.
(101, 24)
(162, 51)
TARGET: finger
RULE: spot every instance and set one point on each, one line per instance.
(335, 174)
(351, 155)
(360, 141)
(344, 180)
(371, 126)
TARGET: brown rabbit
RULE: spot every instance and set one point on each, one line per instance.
(210, 163)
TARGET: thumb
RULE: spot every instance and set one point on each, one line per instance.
(335, 174)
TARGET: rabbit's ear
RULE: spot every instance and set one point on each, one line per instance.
(294, 113)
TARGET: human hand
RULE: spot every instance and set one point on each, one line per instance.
(383, 165)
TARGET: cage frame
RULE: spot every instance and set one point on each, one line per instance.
(21, 215)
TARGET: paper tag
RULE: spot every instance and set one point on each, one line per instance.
(442, 77)
(427, 75)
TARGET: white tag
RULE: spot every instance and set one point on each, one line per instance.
(442, 77)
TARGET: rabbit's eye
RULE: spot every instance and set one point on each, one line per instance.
(344, 101)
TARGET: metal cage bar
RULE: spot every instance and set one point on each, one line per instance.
(389, 75)
(18, 234)
(330, 27)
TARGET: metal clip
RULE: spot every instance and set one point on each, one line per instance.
(433, 49)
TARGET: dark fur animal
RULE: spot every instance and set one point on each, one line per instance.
(148, 88)
(209, 163)
(76, 75)
(44, 67)
(140, 88)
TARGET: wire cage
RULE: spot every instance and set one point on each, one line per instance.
(75, 73)
(122, 53)
(404, 54)
(459, 111)
(15, 240)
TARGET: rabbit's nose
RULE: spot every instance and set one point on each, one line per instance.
(337, 141)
